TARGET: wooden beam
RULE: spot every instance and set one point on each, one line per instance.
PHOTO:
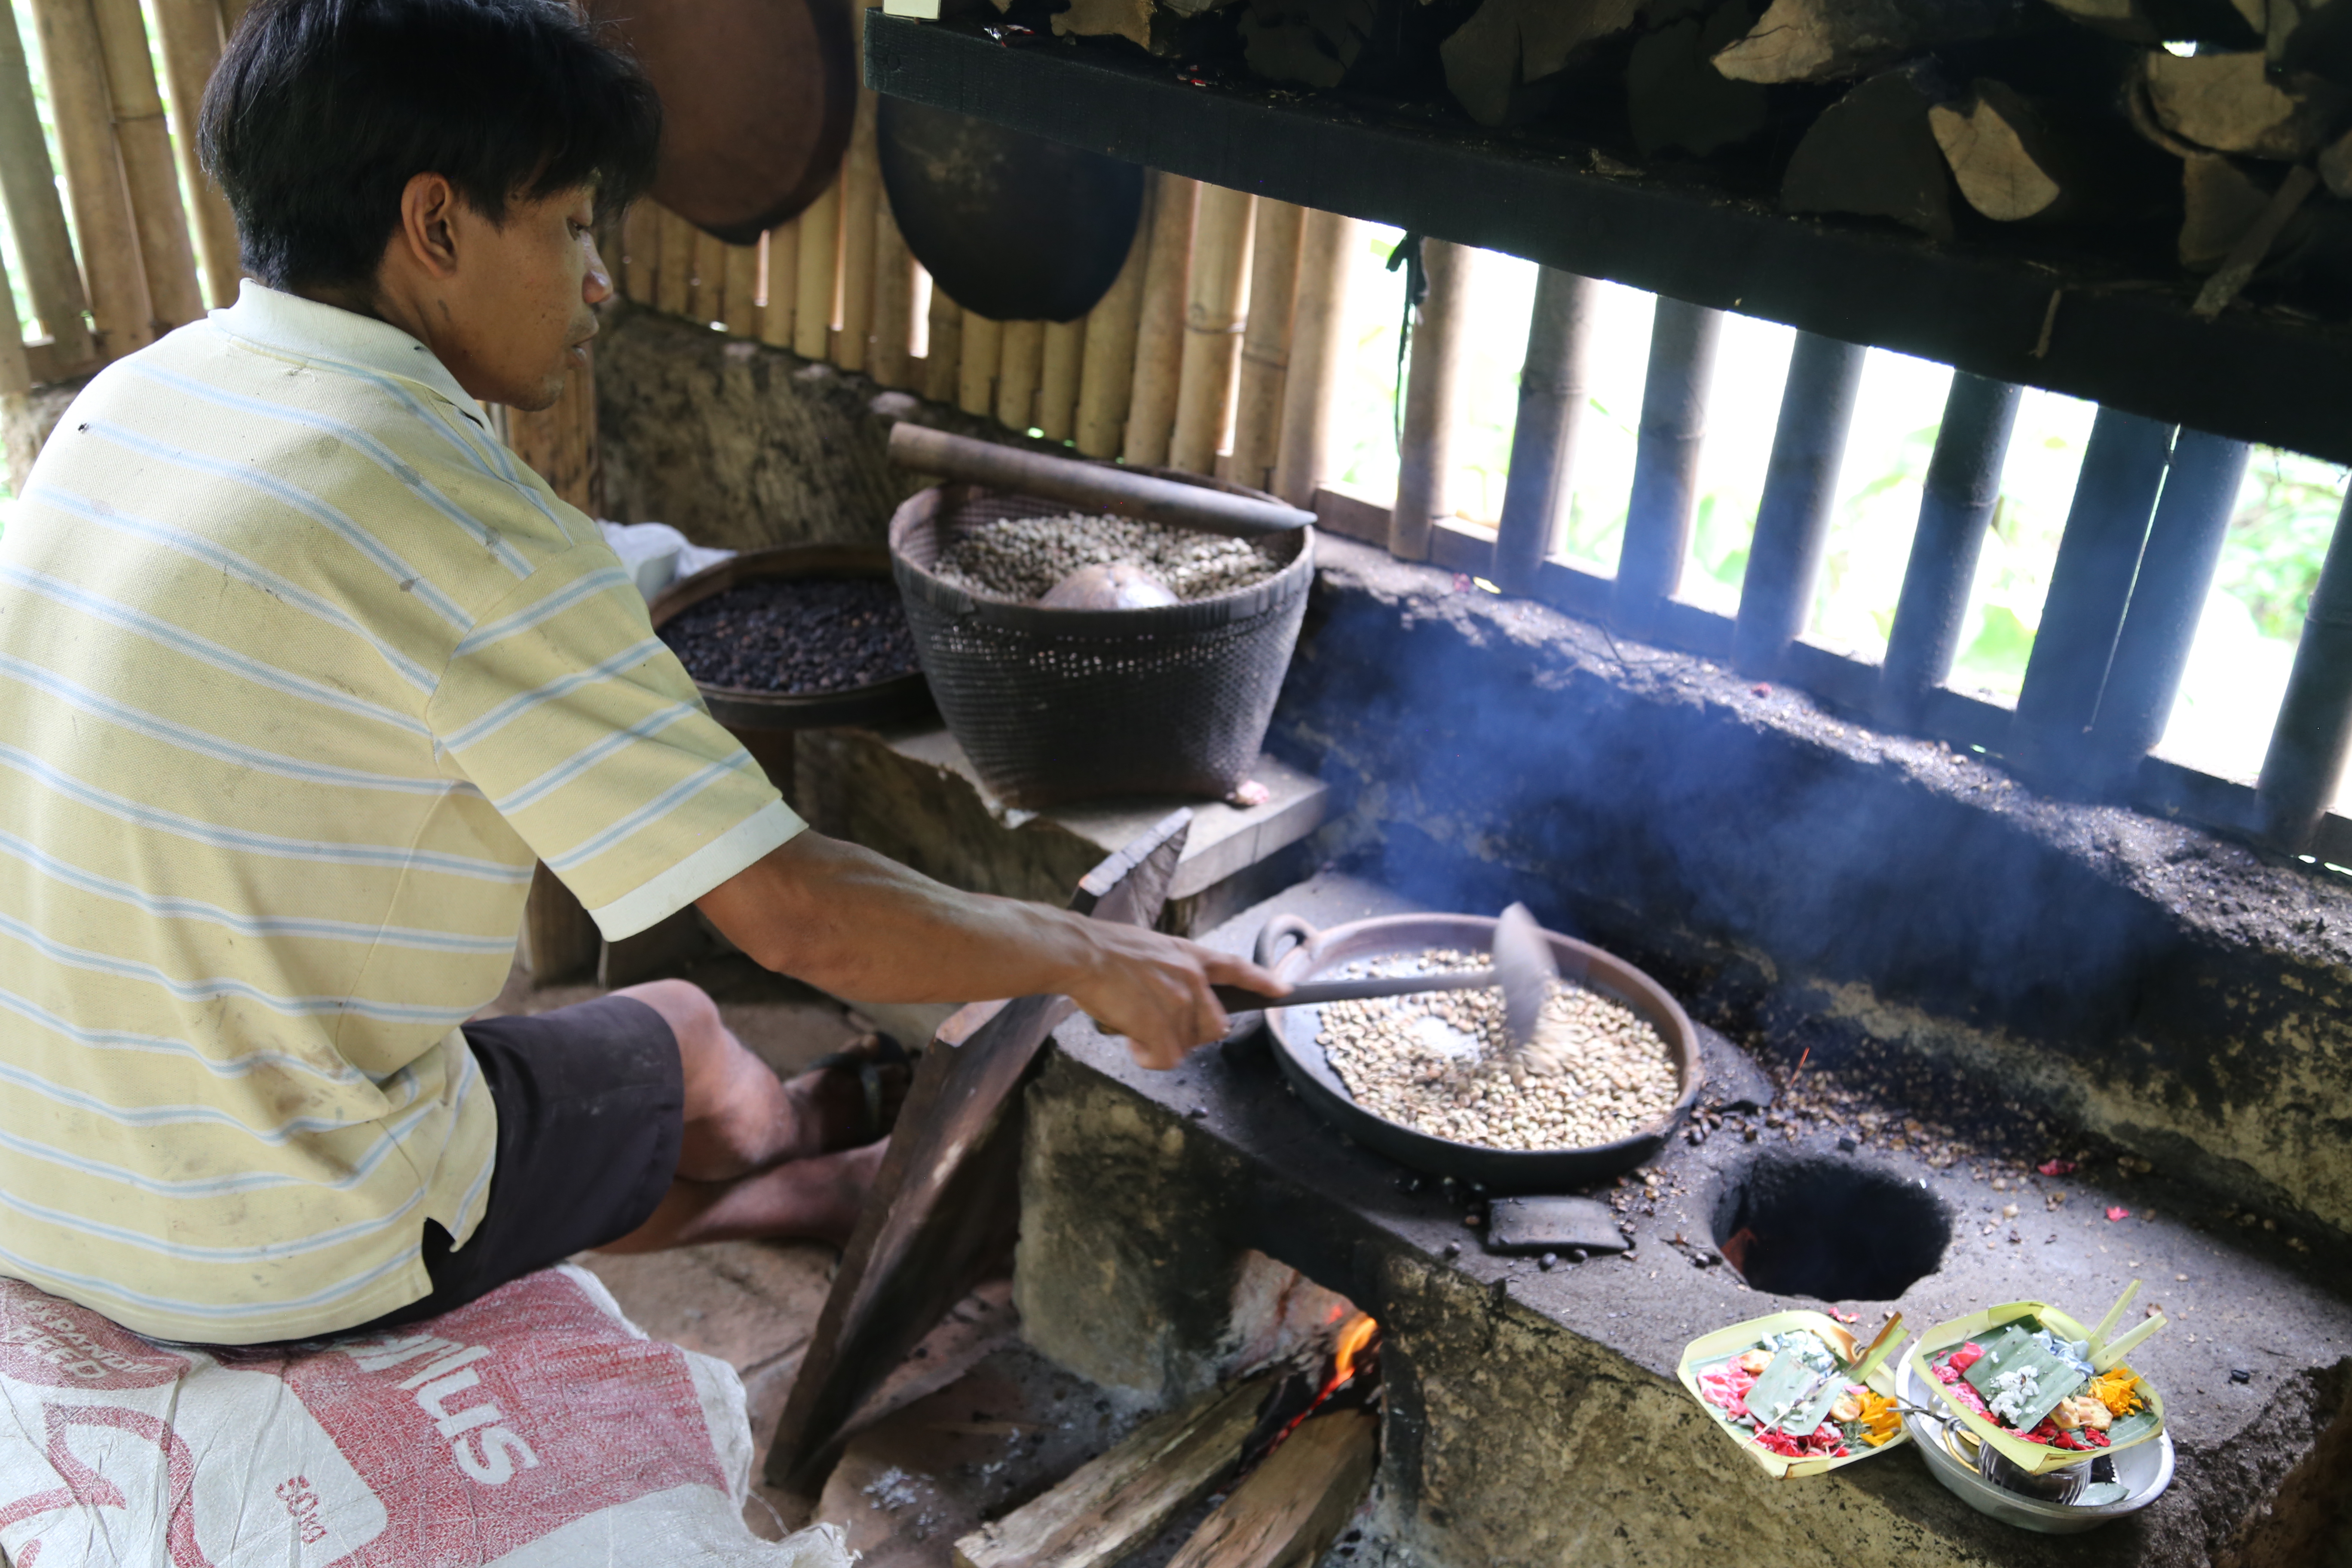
(153, 179)
(191, 31)
(112, 275)
(1292, 1506)
(1112, 1505)
(36, 215)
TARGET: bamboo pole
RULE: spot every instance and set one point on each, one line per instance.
(820, 274)
(15, 370)
(861, 198)
(942, 371)
(140, 131)
(1160, 323)
(232, 13)
(1330, 246)
(743, 316)
(1266, 341)
(1217, 299)
(709, 294)
(983, 350)
(113, 277)
(36, 215)
(784, 255)
(1554, 388)
(892, 361)
(1057, 383)
(1023, 357)
(674, 268)
(192, 35)
(641, 252)
(1106, 368)
(1425, 462)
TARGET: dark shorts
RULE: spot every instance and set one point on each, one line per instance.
(591, 1105)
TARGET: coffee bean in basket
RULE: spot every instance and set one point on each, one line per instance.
(1030, 558)
(796, 635)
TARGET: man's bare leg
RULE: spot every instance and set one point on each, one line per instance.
(759, 1156)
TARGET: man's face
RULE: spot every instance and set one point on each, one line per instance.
(521, 311)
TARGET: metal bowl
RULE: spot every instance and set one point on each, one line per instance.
(1317, 955)
(900, 698)
(2144, 1470)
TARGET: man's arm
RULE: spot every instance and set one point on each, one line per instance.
(851, 922)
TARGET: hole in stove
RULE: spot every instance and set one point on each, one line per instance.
(1828, 1229)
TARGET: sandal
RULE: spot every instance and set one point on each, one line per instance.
(870, 1058)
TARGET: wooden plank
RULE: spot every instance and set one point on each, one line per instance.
(945, 1204)
(145, 143)
(783, 250)
(1117, 1502)
(861, 198)
(2126, 340)
(1020, 360)
(1216, 295)
(1106, 365)
(191, 36)
(742, 312)
(1329, 249)
(35, 215)
(1057, 382)
(640, 258)
(1160, 326)
(818, 275)
(112, 275)
(1432, 402)
(1258, 400)
(1292, 1506)
(674, 264)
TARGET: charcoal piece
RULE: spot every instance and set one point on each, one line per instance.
(1551, 1225)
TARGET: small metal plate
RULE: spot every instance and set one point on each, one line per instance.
(1551, 1225)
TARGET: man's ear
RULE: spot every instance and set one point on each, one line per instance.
(428, 225)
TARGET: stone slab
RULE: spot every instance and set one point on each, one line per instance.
(1537, 1420)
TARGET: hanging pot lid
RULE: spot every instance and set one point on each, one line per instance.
(1012, 227)
(757, 98)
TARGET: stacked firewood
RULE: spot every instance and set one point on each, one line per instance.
(2101, 131)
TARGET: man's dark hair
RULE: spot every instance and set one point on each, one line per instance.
(322, 111)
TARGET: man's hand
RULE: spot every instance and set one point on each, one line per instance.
(848, 921)
(1154, 990)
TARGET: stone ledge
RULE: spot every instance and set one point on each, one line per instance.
(1792, 873)
(1540, 1421)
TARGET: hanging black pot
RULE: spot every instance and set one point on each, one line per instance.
(1010, 227)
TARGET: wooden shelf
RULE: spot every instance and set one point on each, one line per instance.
(2264, 375)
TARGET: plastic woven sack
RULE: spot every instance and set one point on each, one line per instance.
(534, 1428)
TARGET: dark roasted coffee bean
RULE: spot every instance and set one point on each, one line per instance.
(795, 636)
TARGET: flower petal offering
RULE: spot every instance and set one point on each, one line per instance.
(1795, 1393)
(2043, 1390)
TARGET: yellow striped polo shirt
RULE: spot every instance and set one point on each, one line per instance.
(300, 670)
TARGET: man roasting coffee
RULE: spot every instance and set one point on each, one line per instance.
(303, 673)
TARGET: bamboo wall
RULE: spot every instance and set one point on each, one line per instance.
(1186, 363)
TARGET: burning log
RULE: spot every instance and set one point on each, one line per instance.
(1829, 40)
(1112, 1505)
(2231, 104)
(1291, 1507)
(1873, 153)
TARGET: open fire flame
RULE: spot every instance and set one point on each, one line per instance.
(1351, 1354)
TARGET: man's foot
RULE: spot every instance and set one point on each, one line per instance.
(816, 1199)
(849, 1098)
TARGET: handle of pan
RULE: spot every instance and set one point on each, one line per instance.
(1269, 939)
(1315, 992)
